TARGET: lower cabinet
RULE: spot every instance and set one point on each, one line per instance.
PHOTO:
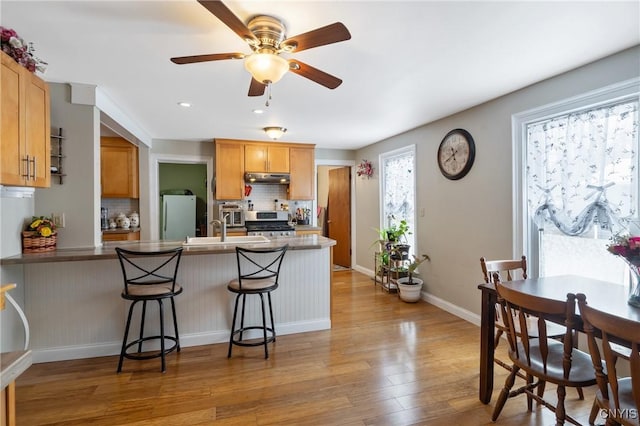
(121, 236)
(308, 232)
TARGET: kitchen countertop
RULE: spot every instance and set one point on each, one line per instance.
(107, 250)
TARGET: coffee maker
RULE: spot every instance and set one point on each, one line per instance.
(104, 218)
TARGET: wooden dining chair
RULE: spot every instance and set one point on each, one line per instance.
(540, 356)
(509, 270)
(495, 270)
(618, 396)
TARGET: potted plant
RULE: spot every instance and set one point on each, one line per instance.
(393, 234)
(410, 287)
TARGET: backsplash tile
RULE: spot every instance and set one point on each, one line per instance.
(263, 197)
(120, 205)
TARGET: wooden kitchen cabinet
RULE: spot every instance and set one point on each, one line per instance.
(266, 158)
(25, 133)
(301, 186)
(121, 236)
(118, 168)
(229, 184)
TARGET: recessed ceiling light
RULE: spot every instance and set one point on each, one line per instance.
(184, 104)
(258, 111)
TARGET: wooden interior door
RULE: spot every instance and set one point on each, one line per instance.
(339, 214)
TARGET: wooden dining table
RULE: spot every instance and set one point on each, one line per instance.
(602, 295)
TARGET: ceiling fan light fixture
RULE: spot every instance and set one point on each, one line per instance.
(274, 132)
(266, 67)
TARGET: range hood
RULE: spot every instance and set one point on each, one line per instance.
(276, 178)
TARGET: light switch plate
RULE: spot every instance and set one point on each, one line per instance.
(58, 219)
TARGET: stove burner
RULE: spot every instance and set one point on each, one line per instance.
(270, 228)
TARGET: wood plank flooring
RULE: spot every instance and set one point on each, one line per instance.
(384, 362)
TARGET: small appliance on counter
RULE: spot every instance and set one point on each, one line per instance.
(104, 218)
(233, 214)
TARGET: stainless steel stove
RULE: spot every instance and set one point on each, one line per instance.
(268, 223)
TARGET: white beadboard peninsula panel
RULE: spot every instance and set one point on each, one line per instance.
(75, 309)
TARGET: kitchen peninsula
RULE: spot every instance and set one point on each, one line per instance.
(73, 303)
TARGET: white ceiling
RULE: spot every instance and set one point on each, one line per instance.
(407, 63)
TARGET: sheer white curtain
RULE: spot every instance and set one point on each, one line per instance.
(582, 169)
(397, 170)
(581, 183)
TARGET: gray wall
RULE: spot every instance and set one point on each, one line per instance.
(472, 217)
(78, 197)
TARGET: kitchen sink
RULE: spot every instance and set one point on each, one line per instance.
(233, 240)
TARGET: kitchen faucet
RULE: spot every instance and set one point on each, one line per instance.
(223, 226)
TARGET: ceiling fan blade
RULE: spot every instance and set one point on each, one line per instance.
(314, 74)
(332, 33)
(223, 13)
(181, 60)
(256, 88)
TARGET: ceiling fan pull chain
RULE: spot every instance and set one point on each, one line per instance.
(268, 94)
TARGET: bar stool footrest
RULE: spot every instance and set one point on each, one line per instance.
(156, 354)
(271, 336)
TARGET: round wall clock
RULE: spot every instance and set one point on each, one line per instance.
(456, 154)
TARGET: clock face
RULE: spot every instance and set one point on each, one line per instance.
(456, 154)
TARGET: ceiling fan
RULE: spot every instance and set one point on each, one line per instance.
(265, 35)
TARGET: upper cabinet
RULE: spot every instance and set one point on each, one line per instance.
(302, 173)
(229, 173)
(266, 158)
(25, 133)
(118, 168)
(235, 157)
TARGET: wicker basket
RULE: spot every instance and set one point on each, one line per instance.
(34, 243)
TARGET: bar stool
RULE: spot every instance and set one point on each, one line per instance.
(258, 273)
(148, 276)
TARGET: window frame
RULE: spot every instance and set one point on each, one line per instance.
(523, 229)
(409, 149)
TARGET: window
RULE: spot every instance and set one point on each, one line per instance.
(578, 168)
(397, 190)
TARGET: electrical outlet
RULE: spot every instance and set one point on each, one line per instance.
(58, 219)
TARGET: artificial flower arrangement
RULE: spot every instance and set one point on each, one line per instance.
(42, 226)
(365, 169)
(628, 248)
(20, 51)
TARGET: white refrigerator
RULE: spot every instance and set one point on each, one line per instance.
(177, 217)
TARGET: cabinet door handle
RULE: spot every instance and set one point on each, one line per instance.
(33, 175)
(26, 167)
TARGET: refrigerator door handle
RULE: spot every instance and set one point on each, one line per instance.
(165, 217)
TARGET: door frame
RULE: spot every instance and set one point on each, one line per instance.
(338, 163)
(154, 184)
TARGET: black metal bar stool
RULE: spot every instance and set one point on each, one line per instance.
(149, 276)
(258, 272)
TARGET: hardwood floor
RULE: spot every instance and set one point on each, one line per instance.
(384, 362)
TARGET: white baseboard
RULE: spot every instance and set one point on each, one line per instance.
(466, 315)
(186, 340)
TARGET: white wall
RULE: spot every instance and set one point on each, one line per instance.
(472, 217)
(13, 214)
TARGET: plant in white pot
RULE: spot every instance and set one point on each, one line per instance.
(410, 287)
